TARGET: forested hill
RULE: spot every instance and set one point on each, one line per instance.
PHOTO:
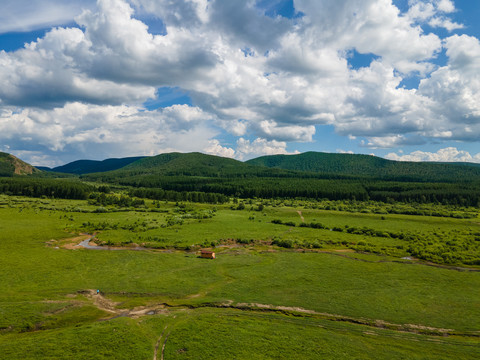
(10, 165)
(190, 164)
(91, 166)
(200, 177)
(309, 164)
(370, 166)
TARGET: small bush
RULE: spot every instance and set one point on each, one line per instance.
(287, 243)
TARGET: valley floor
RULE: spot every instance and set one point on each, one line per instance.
(314, 296)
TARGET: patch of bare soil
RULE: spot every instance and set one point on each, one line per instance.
(70, 243)
(102, 302)
(105, 304)
(301, 216)
(22, 168)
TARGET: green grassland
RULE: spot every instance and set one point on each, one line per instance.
(278, 289)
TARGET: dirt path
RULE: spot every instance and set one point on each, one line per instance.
(164, 344)
(110, 306)
(101, 302)
(301, 216)
(157, 345)
(410, 328)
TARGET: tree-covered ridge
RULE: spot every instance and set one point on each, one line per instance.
(11, 165)
(211, 174)
(192, 176)
(306, 165)
(91, 166)
(187, 165)
(371, 166)
(6, 166)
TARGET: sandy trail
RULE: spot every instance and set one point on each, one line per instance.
(301, 216)
(110, 306)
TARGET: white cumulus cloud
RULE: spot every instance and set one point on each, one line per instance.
(27, 15)
(214, 148)
(247, 149)
(87, 131)
(82, 89)
(449, 154)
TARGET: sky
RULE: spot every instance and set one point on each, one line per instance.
(85, 79)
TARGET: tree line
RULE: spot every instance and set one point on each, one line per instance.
(184, 188)
(220, 190)
(52, 188)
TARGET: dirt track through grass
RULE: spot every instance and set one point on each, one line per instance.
(301, 216)
(157, 345)
(110, 306)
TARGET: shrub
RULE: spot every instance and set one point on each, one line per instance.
(285, 243)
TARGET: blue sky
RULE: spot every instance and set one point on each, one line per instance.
(111, 78)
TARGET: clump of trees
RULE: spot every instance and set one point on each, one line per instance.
(51, 188)
(170, 195)
(100, 198)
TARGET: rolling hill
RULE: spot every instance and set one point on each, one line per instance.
(177, 176)
(92, 166)
(370, 166)
(309, 164)
(195, 166)
(189, 164)
(11, 165)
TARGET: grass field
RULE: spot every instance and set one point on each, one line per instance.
(256, 300)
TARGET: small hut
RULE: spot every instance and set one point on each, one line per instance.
(207, 254)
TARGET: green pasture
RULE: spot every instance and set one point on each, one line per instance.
(232, 334)
(44, 313)
(226, 334)
(121, 338)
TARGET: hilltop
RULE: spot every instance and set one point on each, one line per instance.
(79, 167)
(370, 166)
(184, 172)
(188, 164)
(11, 165)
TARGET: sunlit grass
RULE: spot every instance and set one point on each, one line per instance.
(43, 312)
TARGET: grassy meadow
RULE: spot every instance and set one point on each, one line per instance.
(291, 280)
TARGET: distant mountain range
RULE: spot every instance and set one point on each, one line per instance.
(316, 164)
